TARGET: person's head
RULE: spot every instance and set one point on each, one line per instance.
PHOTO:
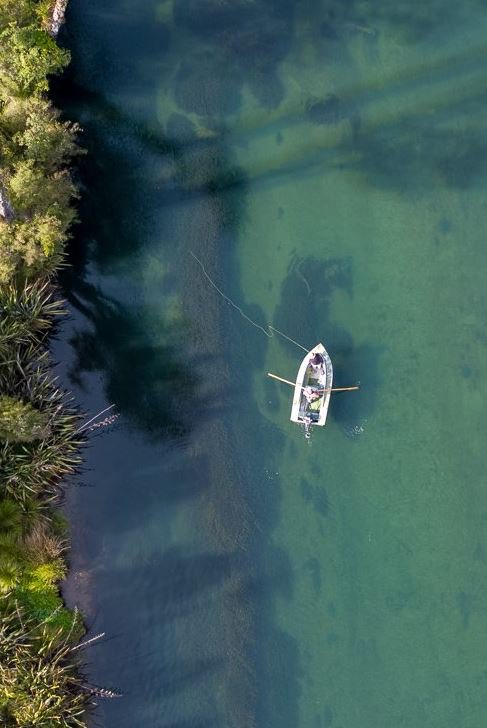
(317, 359)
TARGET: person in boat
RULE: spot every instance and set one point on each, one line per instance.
(311, 394)
(317, 364)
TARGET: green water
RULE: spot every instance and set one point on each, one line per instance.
(330, 173)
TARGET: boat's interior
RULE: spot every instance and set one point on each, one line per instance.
(310, 409)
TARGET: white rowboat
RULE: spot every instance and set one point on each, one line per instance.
(314, 412)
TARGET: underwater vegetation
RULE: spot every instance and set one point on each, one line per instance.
(408, 155)
(200, 88)
(238, 43)
(327, 111)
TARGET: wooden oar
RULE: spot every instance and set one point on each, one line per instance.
(293, 384)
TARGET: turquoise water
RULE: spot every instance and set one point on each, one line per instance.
(326, 163)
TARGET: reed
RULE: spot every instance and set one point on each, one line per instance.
(40, 684)
(40, 680)
(26, 314)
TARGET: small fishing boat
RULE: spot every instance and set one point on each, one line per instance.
(312, 390)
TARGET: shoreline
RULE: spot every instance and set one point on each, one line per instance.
(41, 432)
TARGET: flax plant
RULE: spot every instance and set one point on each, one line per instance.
(35, 469)
(40, 433)
(26, 314)
(40, 683)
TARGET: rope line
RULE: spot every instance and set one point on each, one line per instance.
(269, 328)
(287, 337)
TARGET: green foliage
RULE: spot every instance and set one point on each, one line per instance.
(35, 146)
(43, 545)
(7, 147)
(43, 10)
(9, 545)
(28, 56)
(30, 247)
(44, 139)
(30, 470)
(10, 517)
(39, 687)
(36, 471)
(45, 604)
(21, 12)
(10, 574)
(33, 514)
(59, 523)
(44, 575)
(31, 192)
(21, 422)
(11, 562)
(26, 314)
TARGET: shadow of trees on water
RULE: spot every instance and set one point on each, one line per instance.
(116, 224)
(413, 156)
(231, 44)
(120, 342)
(146, 381)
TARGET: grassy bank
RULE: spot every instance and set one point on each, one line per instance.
(39, 430)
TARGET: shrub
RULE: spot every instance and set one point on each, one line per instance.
(26, 314)
(39, 442)
(46, 574)
(45, 604)
(43, 138)
(11, 562)
(39, 685)
(10, 517)
(41, 545)
(31, 247)
(20, 12)
(10, 574)
(21, 422)
(32, 193)
(27, 57)
(35, 471)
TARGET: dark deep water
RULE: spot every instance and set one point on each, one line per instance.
(326, 164)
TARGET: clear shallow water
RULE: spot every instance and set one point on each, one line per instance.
(326, 162)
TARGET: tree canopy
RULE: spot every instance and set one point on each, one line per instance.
(28, 56)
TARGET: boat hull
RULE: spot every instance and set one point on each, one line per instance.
(312, 413)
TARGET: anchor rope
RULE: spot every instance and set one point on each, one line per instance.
(269, 328)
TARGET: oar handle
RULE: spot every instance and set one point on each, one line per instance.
(343, 389)
(293, 384)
